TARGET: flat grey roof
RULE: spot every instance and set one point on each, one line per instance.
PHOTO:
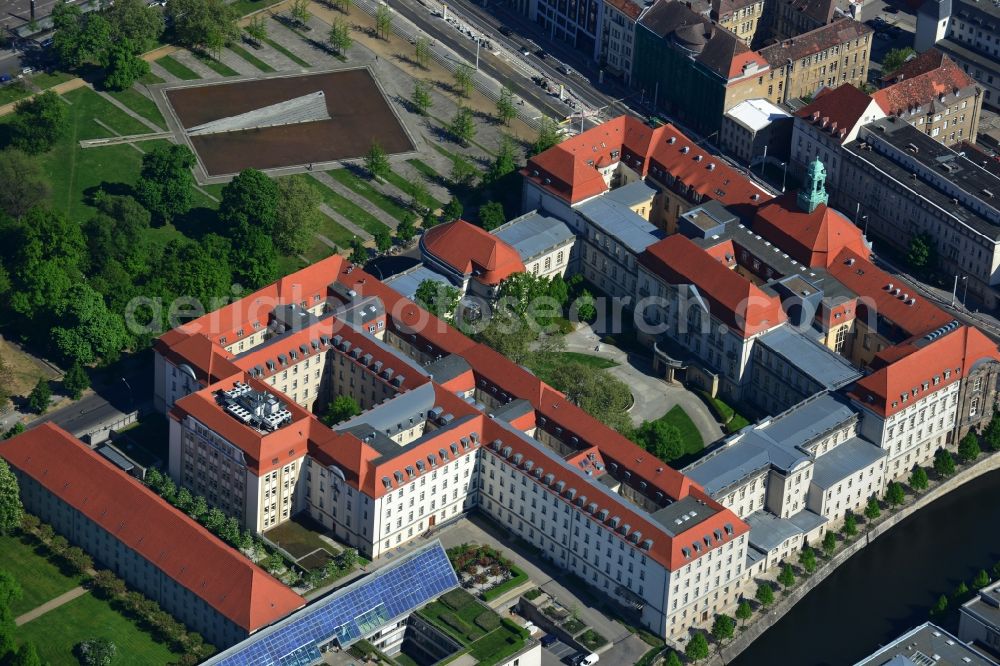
(985, 606)
(767, 531)
(399, 413)
(844, 460)
(618, 220)
(513, 409)
(117, 458)
(827, 368)
(447, 368)
(406, 283)
(633, 194)
(926, 645)
(728, 466)
(534, 233)
(682, 515)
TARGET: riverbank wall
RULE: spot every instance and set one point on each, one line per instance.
(786, 602)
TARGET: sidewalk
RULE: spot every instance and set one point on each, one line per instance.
(50, 605)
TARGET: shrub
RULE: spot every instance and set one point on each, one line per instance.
(592, 640)
(533, 594)
(487, 621)
(452, 621)
(457, 599)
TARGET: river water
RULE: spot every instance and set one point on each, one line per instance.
(891, 585)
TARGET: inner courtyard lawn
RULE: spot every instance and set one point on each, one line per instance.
(40, 579)
(58, 631)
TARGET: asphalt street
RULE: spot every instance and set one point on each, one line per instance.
(106, 404)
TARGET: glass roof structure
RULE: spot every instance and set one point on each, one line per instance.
(348, 614)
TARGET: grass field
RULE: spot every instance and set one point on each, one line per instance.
(406, 186)
(25, 370)
(56, 632)
(216, 66)
(150, 79)
(250, 58)
(141, 104)
(13, 92)
(285, 52)
(365, 189)
(297, 539)
(44, 80)
(40, 579)
(348, 209)
(245, 7)
(694, 446)
(426, 169)
(176, 68)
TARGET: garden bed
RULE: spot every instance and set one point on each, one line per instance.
(484, 571)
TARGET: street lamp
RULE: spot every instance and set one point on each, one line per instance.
(131, 398)
(965, 290)
(784, 174)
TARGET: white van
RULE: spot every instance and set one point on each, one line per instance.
(586, 660)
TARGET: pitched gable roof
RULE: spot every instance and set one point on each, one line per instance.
(922, 81)
(838, 32)
(814, 239)
(472, 251)
(836, 110)
(145, 523)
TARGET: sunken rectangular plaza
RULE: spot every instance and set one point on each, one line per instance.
(286, 121)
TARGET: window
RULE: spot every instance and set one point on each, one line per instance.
(974, 407)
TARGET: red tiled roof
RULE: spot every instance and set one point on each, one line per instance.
(627, 7)
(832, 34)
(207, 359)
(731, 297)
(262, 449)
(867, 280)
(836, 110)
(921, 81)
(918, 363)
(145, 523)
(563, 169)
(472, 251)
(814, 239)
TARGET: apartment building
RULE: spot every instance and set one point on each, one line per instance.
(790, 18)
(920, 643)
(544, 243)
(741, 17)
(822, 127)
(152, 546)
(576, 23)
(756, 130)
(966, 31)
(906, 183)
(832, 54)
(934, 95)
(979, 619)
(618, 37)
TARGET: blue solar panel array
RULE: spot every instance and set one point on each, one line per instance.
(348, 614)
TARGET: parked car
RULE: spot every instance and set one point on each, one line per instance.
(541, 54)
(585, 659)
(4, 78)
(549, 639)
(563, 69)
(27, 70)
(505, 31)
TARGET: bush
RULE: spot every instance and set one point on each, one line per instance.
(95, 652)
(517, 579)
(487, 621)
(452, 621)
(457, 599)
(531, 595)
(592, 640)
(573, 626)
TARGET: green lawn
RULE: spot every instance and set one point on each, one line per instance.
(296, 537)
(40, 579)
(365, 189)
(76, 171)
(216, 66)
(44, 80)
(244, 7)
(250, 58)
(141, 104)
(348, 209)
(13, 92)
(426, 169)
(283, 51)
(678, 418)
(176, 68)
(56, 632)
(150, 79)
(406, 186)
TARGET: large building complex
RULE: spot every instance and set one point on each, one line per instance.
(927, 644)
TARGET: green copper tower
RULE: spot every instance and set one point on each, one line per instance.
(813, 193)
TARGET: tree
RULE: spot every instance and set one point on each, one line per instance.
(80, 38)
(253, 257)
(941, 606)
(462, 126)
(95, 652)
(548, 136)
(438, 298)
(123, 67)
(850, 527)
(343, 5)
(359, 253)
(342, 408)
(894, 494)
(673, 659)
(968, 448)
(38, 399)
(491, 215)
(505, 161)
(230, 531)
(300, 12)
(214, 520)
(506, 111)
(807, 558)
(559, 290)
(593, 390)
(463, 172)
(918, 478)
(11, 510)
(165, 181)
(697, 647)
(453, 209)
(422, 51)
(944, 464)
(297, 217)
(10, 592)
(787, 576)
(14, 431)
(376, 161)
(961, 591)
(256, 30)
(184, 500)
(872, 511)
(76, 380)
(585, 306)
(829, 543)
(723, 628)
(87, 330)
(251, 198)
(383, 21)
(39, 122)
(340, 36)
(463, 76)
(26, 655)
(135, 20)
(661, 439)
(383, 239)
(199, 507)
(204, 24)
(920, 255)
(406, 229)
(992, 433)
(895, 58)
(422, 100)
(25, 184)
(743, 611)
(981, 580)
